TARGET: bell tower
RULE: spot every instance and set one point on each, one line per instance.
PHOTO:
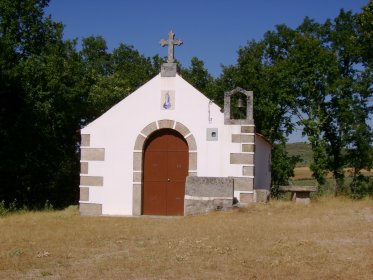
(238, 113)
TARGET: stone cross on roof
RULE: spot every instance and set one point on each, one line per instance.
(170, 42)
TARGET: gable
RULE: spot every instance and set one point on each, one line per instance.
(147, 102)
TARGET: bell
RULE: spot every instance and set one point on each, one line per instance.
(239, 103)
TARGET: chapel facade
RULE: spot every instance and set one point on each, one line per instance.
(166, 149)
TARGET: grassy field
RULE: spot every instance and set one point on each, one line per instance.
(301, 149)
(329, 239)
(304, 173)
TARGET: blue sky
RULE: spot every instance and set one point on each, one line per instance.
(212, 30)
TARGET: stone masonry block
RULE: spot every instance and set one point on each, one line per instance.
(246, 197)
(169, 69)
(248, 148)
(248, 170)
(97, 181)
(191, 143)
(242, 138)
(139, 144)
(166, 124)
(137, 161)
(209, 186)
(192, 161)
(85, 140)
(238, 158)
(84, 194)
(247, 129)
(194, 207)
(137, 196)
(243, 184)
(84, 168)
(90, 209)
(149, 129)
(182, 129)
(137, 176)
(94, 154)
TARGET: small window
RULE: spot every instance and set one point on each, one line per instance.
(212, 134)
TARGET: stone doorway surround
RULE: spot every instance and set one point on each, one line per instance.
(138, 155)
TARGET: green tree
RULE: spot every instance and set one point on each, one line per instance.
(49, 126)
(110, 77)
(319, 73)
(313, 68)
(38, 107)
(199, 77)
(97, 65)
(333, 91)
(262, 68)
(95, 56)
(360, 151)
(365, 29)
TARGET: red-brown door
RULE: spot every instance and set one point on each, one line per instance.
(166, 163)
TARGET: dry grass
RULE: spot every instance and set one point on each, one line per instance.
(329, 239)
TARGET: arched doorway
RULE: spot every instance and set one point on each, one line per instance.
(166, 162)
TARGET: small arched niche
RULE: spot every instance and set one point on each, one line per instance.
(238, 106)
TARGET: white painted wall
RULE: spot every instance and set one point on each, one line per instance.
(118, 128)
(262, 163)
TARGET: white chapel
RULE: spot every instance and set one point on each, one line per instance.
(166, 149)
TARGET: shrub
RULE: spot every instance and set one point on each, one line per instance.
(4, 209)
(361, 186)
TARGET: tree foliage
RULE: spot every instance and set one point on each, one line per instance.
(38, 81)
(332, 89)
(318, 75)
(48, 91)
(261, 67)
(199, 77)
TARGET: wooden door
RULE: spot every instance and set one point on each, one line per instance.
(166, 163)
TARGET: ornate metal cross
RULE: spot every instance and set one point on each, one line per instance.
(170, 42)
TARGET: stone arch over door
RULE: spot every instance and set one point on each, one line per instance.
(138, 154)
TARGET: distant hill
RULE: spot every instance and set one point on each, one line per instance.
(301, 149)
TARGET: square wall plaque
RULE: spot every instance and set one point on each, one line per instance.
(212, 134)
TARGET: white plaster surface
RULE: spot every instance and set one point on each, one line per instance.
(117, 130)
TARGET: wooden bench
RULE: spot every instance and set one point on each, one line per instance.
(299, 194)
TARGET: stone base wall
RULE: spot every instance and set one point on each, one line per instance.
(193, 206)
(206, 194)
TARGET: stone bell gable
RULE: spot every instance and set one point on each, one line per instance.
(248, 118)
